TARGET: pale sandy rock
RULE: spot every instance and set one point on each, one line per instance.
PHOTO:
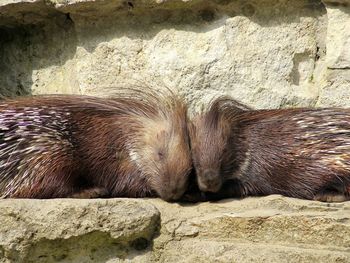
(338, 35)
(11, 2)
(337, 2)
(268, 54)
(336, 91)
(205, 51)
(75, 230)
(240, 251)
(266, 229)
(334, 73)
(263, 53)
(269, 229)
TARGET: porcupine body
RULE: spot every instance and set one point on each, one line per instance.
(62, 146)
(302, 153)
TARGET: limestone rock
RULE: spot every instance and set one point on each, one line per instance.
(265, 229)
(268, 229)
(265, 53)
(70, 230)
(335, 88)
(338, 36)
(268, 54)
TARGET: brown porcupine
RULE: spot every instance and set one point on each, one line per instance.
(134, 145)
(301, 152)
(208, 138)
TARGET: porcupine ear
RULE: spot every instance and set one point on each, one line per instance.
(225, 102)
(224, 106)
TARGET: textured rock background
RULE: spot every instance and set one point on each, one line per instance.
(267, 53)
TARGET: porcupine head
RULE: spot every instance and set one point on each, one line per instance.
(162, 150)
(210, 136)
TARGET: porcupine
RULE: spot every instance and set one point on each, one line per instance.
(82, 146)
(301, 152)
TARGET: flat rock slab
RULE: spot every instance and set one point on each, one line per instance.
(264, 229)
(70, 230)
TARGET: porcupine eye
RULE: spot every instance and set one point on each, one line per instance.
(160, 155)
(160, 152)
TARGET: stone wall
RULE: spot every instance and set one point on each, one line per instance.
(267, 53)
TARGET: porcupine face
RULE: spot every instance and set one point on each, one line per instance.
(208, 144)
(212, 140)
(163, 156)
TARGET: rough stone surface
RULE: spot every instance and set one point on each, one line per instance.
(266, 229)
(75, 230)
(335, 90)
(267, 53)
(338, 38)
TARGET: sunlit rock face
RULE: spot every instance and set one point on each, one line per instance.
(268, 54)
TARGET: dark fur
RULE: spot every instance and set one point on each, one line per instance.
(302, 153)
(80, 146)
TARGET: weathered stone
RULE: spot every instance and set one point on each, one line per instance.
(338, 35)
(336, 91)
(268, 54)
(273, 229)
(333, 72)
(70, 230)
(263, 53)
(269, 229)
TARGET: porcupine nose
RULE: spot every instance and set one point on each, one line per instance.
(209, 181)
(172, 195)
